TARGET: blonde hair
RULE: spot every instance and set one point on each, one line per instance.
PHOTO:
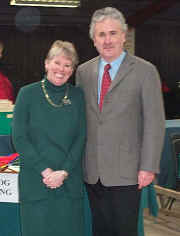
(63, 47)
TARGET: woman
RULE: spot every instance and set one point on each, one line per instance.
(49, 133)
(6, 88)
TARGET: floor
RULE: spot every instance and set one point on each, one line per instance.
(166, 224)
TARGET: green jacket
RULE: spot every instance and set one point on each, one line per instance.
(49, 137)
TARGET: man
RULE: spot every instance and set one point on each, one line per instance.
(6, 89)
(125, 127)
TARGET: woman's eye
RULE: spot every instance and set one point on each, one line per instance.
(68, 65)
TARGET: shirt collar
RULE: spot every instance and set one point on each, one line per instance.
(116, 63)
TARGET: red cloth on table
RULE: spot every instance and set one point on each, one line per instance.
(6, 88)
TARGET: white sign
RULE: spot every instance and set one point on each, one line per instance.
(9, 187)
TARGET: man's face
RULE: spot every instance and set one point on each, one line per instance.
(109, 39)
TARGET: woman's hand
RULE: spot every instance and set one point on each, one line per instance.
(55, 179)
(46, 172)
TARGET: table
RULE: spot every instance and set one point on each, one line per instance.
(167, 176)
(9, 212)
(5, 122)
(10, 217)
(148, 200)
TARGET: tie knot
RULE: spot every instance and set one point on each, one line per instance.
(107, 67)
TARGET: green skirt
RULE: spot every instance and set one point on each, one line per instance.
(53, 217)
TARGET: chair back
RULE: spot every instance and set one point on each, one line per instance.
(175, 141)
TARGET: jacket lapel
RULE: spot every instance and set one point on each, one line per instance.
(94, 80)
(125, 68)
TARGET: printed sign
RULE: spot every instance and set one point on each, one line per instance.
(9, 187)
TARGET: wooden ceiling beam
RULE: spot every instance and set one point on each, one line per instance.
(146, 13)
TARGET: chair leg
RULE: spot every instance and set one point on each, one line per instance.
(166, 203)
(171, 203)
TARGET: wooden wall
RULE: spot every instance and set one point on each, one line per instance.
(25, 52)
(160, 45)
(26, 49)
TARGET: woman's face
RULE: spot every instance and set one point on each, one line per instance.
(1, 52)
(59, 69)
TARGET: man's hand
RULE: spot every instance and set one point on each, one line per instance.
(145, 178)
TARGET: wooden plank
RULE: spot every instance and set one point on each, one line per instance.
(167, 192)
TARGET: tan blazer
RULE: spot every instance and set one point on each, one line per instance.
(127, 136)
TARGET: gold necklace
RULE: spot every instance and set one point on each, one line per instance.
(64, 101)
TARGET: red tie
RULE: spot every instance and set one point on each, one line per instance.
(106, 81)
